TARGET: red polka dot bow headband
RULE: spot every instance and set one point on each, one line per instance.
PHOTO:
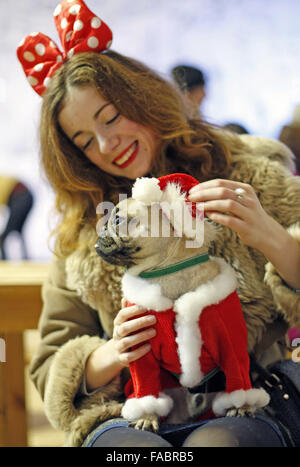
(79, 31)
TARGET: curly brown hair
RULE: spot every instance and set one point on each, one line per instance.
(187, 145)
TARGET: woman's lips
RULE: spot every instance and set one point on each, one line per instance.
(127, 156)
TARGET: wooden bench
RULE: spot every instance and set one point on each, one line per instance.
(20, 308)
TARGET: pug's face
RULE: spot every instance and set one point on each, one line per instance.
(135, 234)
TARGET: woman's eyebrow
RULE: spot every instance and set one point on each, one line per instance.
(100, 110)
(94, 117)
(76, 134)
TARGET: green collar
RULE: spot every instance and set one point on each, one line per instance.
(186, 263)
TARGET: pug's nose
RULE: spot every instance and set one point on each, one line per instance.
(103, 232)
(119, 226)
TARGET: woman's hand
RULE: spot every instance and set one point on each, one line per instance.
(241, 211)
(130, 331)
(110, 358)
(235, 205)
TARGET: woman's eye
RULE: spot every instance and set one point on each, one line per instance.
(87, 144)
(113, 119)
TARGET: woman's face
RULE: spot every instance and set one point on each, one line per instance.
(115, 144)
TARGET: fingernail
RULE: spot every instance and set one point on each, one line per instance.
(151, 318)
(194, 189)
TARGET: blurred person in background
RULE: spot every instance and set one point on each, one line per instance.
(192, 83)
(236, 128)
(18, 199)
(290, 135)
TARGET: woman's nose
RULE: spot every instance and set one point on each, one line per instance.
(107, 143)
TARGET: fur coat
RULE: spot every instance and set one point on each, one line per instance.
(82, 296)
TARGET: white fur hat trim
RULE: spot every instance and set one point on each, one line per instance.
(147, 190)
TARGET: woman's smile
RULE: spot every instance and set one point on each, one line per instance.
(114, 143)
(127, 156)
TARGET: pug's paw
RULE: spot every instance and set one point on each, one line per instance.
(149, 422)
(244, 411)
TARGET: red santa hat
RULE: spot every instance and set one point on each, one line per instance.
(171, 192)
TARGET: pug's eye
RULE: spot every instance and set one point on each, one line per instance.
(118, 220)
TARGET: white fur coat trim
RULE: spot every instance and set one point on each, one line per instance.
(134, 408)
(254, 398)
(188, 308)
(144, 294)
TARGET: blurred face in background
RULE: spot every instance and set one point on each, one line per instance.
(195, 97)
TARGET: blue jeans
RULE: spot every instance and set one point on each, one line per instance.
(258, 431)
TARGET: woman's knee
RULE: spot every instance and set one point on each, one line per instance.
(234, 432)
(129, 437)
(211, 436)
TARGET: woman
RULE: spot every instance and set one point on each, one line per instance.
(106, 120)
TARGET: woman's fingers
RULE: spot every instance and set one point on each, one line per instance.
(228, 206)
(232, 222)
(130, 330)
(135, 325)
(135, 339)
(219, 183)
(234, 205)
(127, 313)
(229, 201)
(125, 323)
(218, 191)
(128, 357)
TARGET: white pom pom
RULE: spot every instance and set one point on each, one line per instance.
(147, 190)
(136, 407)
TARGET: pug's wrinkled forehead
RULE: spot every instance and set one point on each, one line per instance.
(131, 208)
(134, 218)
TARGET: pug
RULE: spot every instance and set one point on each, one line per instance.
(200, 325)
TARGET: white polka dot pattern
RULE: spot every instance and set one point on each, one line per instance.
(29, 56)
(78, 25)
(32, 80)
(79, 29)
(40, 49)
(95, 23)
(64, 23)
(74, 9)
(47, 81)
(57, 10)
(68, 36)
(93, 42)
(38, 67)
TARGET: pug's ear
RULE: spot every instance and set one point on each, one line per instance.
(210, 231)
